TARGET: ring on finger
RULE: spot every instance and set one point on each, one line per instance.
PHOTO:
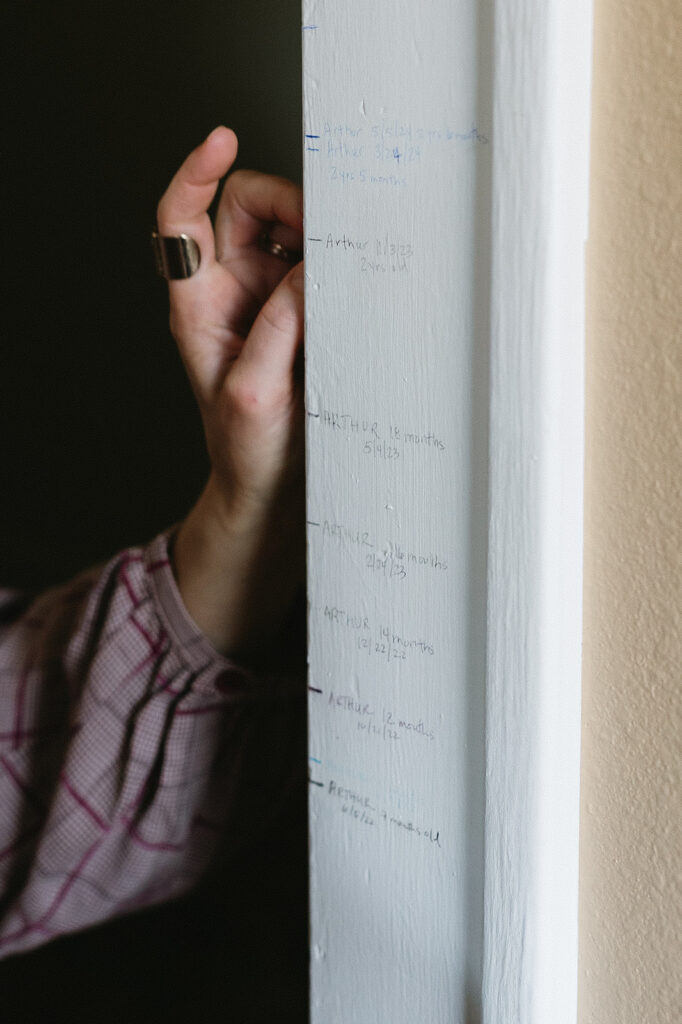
(274, 248)
(177, 256)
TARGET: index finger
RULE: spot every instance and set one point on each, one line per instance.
(252, 200)
(183, 208)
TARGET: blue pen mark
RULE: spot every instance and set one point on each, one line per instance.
(313, 149)
(315, 759)
(309, 28)
(312, 136)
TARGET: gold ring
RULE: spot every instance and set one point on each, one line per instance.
(274, 248)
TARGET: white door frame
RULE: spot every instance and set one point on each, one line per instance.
(542, 63)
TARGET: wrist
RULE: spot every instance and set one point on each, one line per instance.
(237, 571)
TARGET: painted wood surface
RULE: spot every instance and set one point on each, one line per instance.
(443, 414)
(397, 138)
(539, 201)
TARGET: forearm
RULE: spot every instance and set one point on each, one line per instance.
(238, 573)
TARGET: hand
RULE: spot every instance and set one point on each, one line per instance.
(238, 323)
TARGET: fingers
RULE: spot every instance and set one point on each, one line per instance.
(263, 371)
(252, 201)
(183, 207)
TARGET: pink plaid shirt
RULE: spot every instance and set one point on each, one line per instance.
(123, 737)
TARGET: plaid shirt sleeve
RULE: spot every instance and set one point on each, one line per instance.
(122, 737)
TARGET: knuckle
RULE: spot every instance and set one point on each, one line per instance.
(245, 396)
(253, 398)
(237, 178)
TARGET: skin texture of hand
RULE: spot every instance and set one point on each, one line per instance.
(238, 323)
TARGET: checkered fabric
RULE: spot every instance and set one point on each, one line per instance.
(122, 733)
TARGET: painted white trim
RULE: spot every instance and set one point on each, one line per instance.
(542, 59)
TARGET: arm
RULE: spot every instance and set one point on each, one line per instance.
(125, 728)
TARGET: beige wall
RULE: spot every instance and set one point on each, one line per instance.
(631, 836)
